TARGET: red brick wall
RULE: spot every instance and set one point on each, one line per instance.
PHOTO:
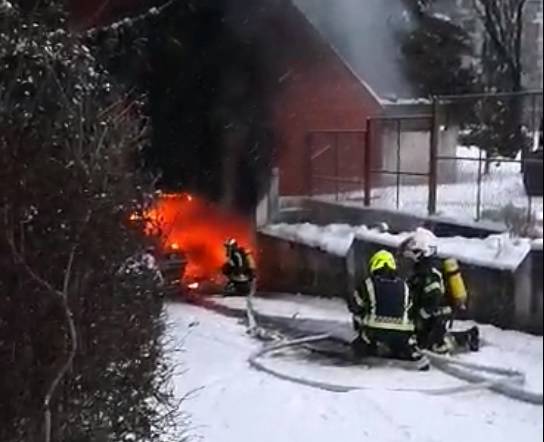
(316, 91)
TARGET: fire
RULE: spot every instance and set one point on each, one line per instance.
(199, 229)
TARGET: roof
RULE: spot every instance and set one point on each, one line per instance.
(365, 36)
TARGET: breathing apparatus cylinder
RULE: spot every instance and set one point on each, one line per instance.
(455, 283)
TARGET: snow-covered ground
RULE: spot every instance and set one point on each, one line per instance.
(503, 185)
(235, 403)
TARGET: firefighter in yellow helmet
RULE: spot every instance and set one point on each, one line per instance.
(380, 313)
(433, 305)
(239, 269)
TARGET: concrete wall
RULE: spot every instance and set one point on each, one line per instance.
(286, 266)
(500, 297)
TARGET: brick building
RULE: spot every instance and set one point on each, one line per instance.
(336, 65)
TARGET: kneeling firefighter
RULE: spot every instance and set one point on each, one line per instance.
(380, 312)
(434, 302)
(239, 269)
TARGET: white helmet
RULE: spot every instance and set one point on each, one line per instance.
(422, 244)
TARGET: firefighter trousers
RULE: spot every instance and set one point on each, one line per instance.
(390, 343)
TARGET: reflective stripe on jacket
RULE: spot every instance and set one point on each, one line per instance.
(385, 304)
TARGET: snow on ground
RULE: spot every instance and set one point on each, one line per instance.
(506, 348)
(458, 200)
(235, 403)
(496, 251)
(293, 306)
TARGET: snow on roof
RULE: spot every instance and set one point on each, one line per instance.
(406, 101)
(496, 251)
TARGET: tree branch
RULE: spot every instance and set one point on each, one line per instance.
(69, 317)
(20, 260)
(63, 296)
(519, 34)
(496, 29)
(129, 21)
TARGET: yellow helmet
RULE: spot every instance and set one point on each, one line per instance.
(382, 259)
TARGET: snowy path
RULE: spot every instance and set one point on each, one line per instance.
(237, 404)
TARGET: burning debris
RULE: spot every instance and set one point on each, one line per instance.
(193, 232)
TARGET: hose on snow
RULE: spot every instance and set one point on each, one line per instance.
(339, 388)
(508, 387)
(507, 383)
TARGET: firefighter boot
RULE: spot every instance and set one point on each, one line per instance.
(474, 339)
(363, 347)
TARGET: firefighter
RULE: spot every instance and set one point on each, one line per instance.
(432, 308)
(380, 312)
(239, 269)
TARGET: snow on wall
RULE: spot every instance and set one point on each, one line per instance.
(335, 238)
(496, 251)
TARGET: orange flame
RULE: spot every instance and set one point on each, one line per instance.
(199, 229)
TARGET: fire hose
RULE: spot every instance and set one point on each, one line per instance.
(508, 382)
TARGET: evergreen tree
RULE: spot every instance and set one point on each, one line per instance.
(435, 53)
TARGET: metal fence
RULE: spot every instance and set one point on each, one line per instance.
(398, 154)
(430, 163)
(335, 162)
(494, 138)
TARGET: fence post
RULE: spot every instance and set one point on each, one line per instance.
(309, 175)
(479, 188)
(336, 167)
(367, 164)
(398, 170)
(433, 159)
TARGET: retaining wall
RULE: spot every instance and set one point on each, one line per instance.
(500, 297)
(323, 213)
(286, 266)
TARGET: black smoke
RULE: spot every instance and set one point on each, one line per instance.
(209, 101)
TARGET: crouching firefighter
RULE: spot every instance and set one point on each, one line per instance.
(434, 302)
(380, 313)
(239, 269)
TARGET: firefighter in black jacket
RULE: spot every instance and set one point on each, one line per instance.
(239, 268)
(380, 312)
(432, 309)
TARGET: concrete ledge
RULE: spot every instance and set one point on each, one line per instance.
(323, 213)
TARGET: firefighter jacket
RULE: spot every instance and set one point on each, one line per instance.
(240, 265)
(382, 303)
(428, 292)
